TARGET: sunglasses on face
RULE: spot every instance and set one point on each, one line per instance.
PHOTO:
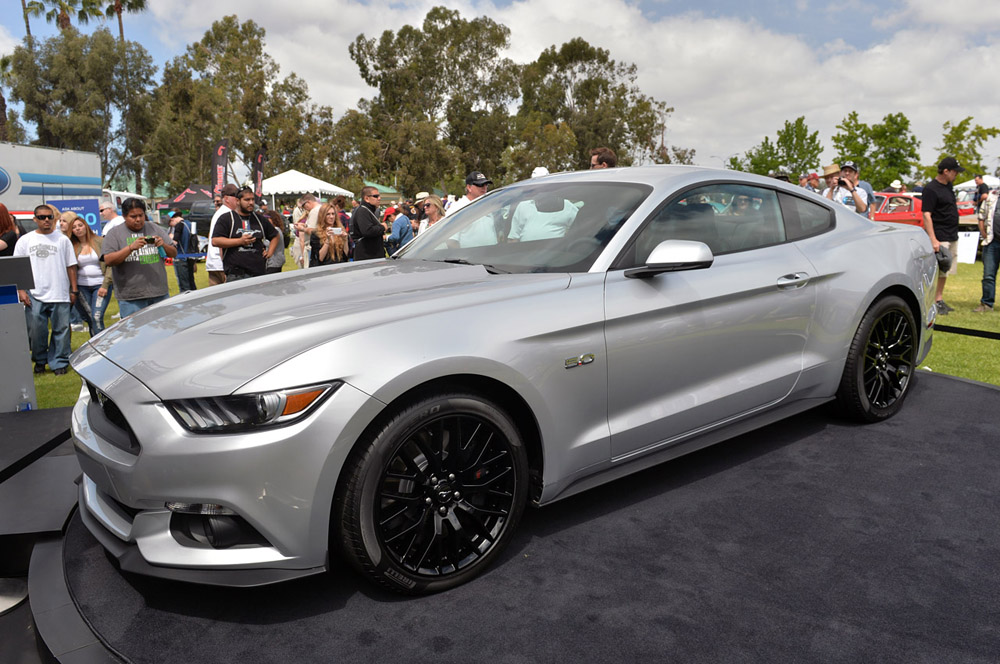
(46, 217)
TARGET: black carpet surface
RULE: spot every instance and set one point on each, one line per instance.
(812, 540)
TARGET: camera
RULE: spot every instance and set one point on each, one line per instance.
(150, 239)
(841, 182)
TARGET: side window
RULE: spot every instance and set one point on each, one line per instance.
(726, 217)
(899, 204)
(804, 218)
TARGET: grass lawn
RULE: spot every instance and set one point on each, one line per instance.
(954, 354)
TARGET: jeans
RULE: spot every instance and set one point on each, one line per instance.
(184, 269)
(991, 259)
(53, 351)
(129, 307)
(86, 305)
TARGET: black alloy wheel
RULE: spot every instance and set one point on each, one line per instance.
(880, 362)
(436, 495)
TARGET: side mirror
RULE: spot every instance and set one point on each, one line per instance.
(673, 256)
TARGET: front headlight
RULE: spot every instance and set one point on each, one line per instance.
(244, 412)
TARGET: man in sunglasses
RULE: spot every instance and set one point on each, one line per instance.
(109, 217)
(366, 229)
(53, 266)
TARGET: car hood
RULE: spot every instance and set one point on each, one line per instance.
(212, 341)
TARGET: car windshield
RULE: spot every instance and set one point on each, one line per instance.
(543, 227)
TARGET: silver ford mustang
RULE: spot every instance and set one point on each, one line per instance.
(553, 335)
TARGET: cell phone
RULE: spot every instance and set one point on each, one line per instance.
(150, 239)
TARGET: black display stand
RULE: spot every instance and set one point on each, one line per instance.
(812, 539)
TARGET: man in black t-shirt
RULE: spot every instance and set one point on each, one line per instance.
(982, 191)
(240, 234)
(940, 212)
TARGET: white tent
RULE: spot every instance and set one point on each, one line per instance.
(993, 182)
(296, 182)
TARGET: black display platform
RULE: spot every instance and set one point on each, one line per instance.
(809, 540)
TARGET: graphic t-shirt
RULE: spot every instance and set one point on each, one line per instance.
(50, 255)
(143, 274)
(249, 258)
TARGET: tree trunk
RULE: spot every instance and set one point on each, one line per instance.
(121, 28)
(63, 20)
(27, 25)
(3, 120)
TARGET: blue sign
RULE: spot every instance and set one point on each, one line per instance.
(87, 208)
(4, 181)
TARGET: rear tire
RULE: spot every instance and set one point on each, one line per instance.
(434, 496)
(880, 362)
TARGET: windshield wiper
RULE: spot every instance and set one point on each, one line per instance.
(492, 269)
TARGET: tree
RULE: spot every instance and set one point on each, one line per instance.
(669, 154)
(115, 8)
(5, 77)
(895, 151)
(762, 159)
(66, 89)
(853, 142)
(60, 11)
(883, 152)
(469, 110)
(582, 86)
(32, 8)
(794, 151)
(963, 141)
(552, 145)
(231, 57)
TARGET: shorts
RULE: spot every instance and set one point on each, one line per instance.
(952, 246)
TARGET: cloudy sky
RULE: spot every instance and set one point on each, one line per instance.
(733, 71)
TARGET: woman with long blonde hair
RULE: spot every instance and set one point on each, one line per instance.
(329, 240)
(93, 278)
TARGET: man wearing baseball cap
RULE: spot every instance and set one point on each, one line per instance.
(941, 222)
(476, 184)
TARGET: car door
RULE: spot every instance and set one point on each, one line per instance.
(689, 350)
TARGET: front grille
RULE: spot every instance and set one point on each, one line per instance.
(108, 421)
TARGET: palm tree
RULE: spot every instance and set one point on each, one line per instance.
(5, 74)
(60, 11)
(32, 8)
(116, 7)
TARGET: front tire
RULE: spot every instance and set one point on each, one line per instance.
(434, 496)
(880, 362)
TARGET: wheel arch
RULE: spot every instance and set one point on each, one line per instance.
(912, 303)
(491, 389)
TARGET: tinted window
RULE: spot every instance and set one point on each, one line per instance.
(804, 218)
(726, 217)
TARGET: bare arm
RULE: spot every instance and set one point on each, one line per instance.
(929, 227)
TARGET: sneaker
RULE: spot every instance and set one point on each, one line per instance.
(60, 372)
(116, 316)
(78, 327)
(943, 308)
(39, 368)
(983, 309)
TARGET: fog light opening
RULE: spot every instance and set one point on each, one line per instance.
(214, 531)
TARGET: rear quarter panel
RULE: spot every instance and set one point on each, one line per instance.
(856, 263)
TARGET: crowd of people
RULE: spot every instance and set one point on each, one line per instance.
(76, 271)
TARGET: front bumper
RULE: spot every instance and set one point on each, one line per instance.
(280, 482)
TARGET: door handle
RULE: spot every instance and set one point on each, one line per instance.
(793, 281)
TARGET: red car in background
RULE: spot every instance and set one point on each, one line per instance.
(904, 208)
